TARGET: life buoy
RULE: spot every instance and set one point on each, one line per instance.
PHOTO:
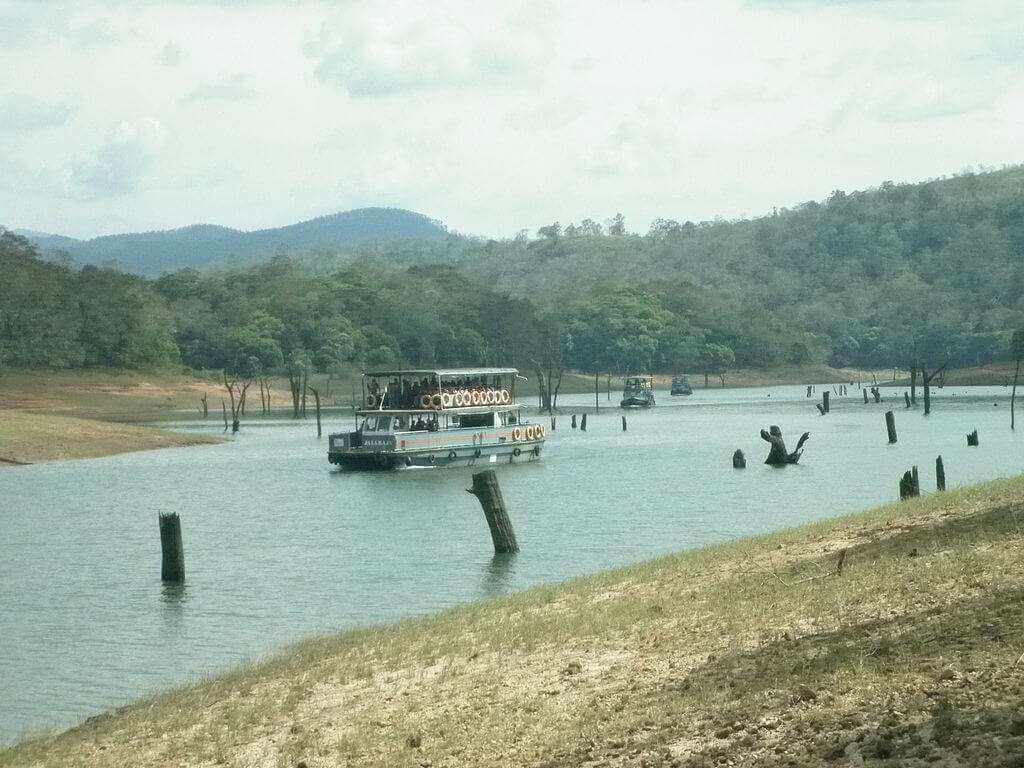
(517, 434)
(530, 433)
(452, 454)
(540, 433)
(371, 401)
(516, 452)
(476, 397)
(425, 401)
(506, 397)
(446, 399)
(436, 401)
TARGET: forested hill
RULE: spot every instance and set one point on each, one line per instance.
(200, 245)
(910, 275)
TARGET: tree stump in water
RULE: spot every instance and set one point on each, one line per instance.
(574, 421)
(172, 565)
(739, 461)
(906, 399)
(909, 484)
(778, 456)
(488, 493)
(877, 394)
(940, 474)
(972, 438)
(890, 426)
(865, 396)
(583, 423)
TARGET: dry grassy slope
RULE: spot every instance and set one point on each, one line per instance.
(27, 438)
(752, 653)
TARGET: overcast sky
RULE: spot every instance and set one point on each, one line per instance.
(120, 116)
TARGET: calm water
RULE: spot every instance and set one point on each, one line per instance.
(280, 546)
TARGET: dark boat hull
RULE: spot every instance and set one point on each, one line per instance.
(456, 456)
(636, 402)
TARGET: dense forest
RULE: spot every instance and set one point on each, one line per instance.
(914, 275)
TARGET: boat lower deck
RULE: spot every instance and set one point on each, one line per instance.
(439, 456)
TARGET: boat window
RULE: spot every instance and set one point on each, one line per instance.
(477, 420)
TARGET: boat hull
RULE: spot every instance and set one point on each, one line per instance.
(636, 402)
(452, 456)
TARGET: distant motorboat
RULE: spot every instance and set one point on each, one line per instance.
(638, 392)
(681, 386)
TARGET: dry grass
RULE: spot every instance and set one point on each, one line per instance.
(28, 438)
(751, 653)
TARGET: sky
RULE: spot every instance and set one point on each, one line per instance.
(492, 117)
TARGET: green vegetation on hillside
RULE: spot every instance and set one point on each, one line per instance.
(757, 652)
(915, 276)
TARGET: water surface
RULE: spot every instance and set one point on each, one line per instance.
(279, 545)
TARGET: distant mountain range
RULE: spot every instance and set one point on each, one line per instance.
(201, 245)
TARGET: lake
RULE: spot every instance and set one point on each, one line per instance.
(279, 545)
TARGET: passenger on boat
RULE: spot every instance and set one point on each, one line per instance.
(432, 426)
(420, 425)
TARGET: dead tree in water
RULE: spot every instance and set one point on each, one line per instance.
(204, 405)
(778, 456)
(316, 401)
(926, 380)
(1017, 350)
(236, 392)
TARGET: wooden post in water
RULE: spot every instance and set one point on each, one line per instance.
(316, 400)
(739, 461)
(488, 493)
(224, 408)
(906, 398)
(552, 423)
(583, 423)
(574, 421)
(940, 474)
(824, 402)
(877, 393)
(808, 390)
(916, 480)
(972, 438)
(597, 393)
(623, 423)
(172, 564)
(865, 396)
(890, 426)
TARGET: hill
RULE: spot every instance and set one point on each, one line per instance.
(200, 245)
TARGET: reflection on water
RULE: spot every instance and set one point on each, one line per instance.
(279, 546)
(499, 574)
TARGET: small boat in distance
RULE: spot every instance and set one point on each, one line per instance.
(437, 418)
(638, 392)
(681, 386)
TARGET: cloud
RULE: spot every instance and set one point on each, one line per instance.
(21, 112)
(121, 162)
(235, 87)
(376, 56)
(170, 55)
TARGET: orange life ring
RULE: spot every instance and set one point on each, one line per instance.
(436, 401)
(494, 397)
(540, 433)
(476, 397)
(517, 434)
(506, 397)
(446, 399)
(530, 432)
(425, 401)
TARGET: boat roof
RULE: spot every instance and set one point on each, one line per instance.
(640, 376)
(471, 409)
(443, 372)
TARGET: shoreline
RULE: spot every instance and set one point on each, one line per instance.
(762, 647)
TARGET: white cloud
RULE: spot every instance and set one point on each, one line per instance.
(23, 112)
(170, 55)
(408, 49)
(121, 163)
(236, 87)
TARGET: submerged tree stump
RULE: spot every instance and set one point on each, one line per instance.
(778, 456)
(583, 423)
(909, 484)
(940, 474)
(172, 565)
(825, 402)
(574, 421)
(488, 493)
(890, 426)
(972, 438)
(623, 423)
(739, 461)
(865, 392)
(877, 394)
